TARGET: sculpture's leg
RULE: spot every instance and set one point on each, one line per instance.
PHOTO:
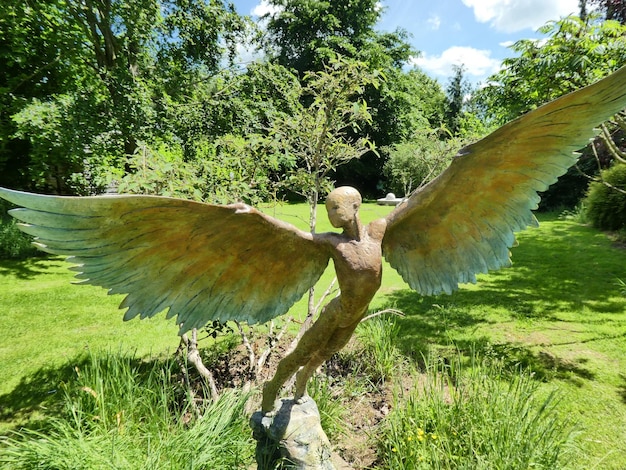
(336, 342)
(303, 376)
(286, 368)
(312, 343)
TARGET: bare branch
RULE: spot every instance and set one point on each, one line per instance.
(599, 178)
(193, 356)
(263, 357)
(247, 345)
(382, 312)
(613, 148)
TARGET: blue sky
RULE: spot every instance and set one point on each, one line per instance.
(474, 33)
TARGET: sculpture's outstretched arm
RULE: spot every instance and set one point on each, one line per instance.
(462, 223)
(203, 262)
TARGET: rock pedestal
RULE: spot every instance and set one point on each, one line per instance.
(292, 439)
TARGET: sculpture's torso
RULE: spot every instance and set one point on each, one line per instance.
(358, 265)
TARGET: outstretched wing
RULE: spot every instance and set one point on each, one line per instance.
(462, 222)
(203, 262)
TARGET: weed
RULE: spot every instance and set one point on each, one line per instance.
(331, 408)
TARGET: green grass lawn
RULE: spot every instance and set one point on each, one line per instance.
(558, 312)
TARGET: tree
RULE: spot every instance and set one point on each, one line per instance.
(116, 67)
(613, 9)
(456, 93)
(576, 53)
(303, 35)
(414, 163)
(35, 62)
(319, 136)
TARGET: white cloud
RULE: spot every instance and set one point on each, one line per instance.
(434, 21)
(246, 51)
(477, 62)
(516, 15)
(263, 8)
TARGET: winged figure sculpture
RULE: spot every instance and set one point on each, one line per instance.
(206, 262)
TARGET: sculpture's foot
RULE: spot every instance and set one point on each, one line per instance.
(270, 413)
(302, 399)
(268, 404)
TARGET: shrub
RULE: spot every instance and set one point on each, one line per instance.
(606, 205)
(13, 243)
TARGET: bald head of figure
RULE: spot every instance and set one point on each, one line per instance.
(342, 205)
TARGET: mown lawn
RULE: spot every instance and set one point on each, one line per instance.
(559, 313)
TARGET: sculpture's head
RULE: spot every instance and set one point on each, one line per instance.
(342, 205)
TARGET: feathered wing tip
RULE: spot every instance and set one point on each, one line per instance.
(463, 222)
(202, 262)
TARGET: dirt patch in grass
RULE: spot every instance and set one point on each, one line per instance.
(362, 412)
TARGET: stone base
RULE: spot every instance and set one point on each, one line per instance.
(293, 439)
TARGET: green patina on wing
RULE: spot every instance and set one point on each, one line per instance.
(463, 222)
(203, 262)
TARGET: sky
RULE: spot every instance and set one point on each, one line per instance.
(472, 33)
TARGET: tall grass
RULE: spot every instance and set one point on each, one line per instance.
(473, 419)
(123, 413)
(380, 356)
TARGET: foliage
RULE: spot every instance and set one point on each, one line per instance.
(474, 420)
(613, 9)
(317, 136)
(162, 72)
(576, 53)
(606, 201)
(14, 244)
(457, 89)
(571, 187)
(77, 111)
(234, 169)
(414, 163)
(127, 414)
(163, 171)
(305, 35)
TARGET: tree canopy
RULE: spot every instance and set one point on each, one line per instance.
(149, 95)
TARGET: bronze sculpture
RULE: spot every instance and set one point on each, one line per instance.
(207, 262)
